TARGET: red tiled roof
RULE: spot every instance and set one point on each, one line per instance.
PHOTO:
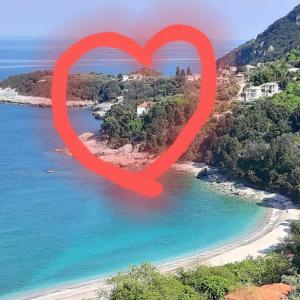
(276, 291)
(144, 104)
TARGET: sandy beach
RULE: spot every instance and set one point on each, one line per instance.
(280, 214)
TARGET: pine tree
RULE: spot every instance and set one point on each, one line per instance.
(182, 73)
(177, 71)
(188, 71)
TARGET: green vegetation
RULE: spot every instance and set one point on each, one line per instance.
(211, 283)
(93, 86)
(121, 125)
(294, 281)
(290, 97)
(205, 283)
(146, 283)
(216, 282)
(293, 58)
(277, 71)
(292, 246)
(173, 100)
(32, 84)
(274, 43)
(151, 88)
(154, 131)
(226, 93)
(97, 87)
(260, 145)
(292, 243)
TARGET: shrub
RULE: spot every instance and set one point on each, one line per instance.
(146, 283)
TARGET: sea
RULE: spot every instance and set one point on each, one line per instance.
(24, 55)
(61, 224)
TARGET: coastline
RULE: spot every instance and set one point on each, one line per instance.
(10, 96)
(127, 156)
(258, 242)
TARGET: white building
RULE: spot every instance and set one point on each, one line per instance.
(233, 70)
(120, 99)
(253, 93)
(293, 70)
(269, 89)
(142, 108)
(265, 90)
(128, 77)
(193, 77)
(125, 77)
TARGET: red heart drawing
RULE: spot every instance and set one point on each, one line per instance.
(143, 182)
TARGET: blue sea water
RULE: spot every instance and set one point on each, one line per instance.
(70, 225)
(26, 55)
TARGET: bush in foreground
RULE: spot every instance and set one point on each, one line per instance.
(205, 283)
(146, 283)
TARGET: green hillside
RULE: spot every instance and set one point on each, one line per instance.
(275, 42)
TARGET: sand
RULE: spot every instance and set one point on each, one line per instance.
(9, 95)
(264, 239)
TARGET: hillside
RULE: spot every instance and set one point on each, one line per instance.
(275, 42)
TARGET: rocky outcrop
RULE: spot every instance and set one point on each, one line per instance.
(127, 156)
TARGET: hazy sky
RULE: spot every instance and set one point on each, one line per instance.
(229, 19)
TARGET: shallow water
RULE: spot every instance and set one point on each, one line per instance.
(70, 225)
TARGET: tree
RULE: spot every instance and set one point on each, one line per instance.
(188, 71)
(257, 143)
(146, 283)
(292, 242)
(293, 57)
(154, 131)
(120, 76)
(290, 98)
(177, 71)
(275, 265)
(111, 91)
(295, 120)
(276, 71)
(182, 72)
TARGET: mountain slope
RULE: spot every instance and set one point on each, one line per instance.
(275, 42)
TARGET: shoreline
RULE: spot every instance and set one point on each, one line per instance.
(10, 96)
(46, 103)
(258, 242)
(127, 156)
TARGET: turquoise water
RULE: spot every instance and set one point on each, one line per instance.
(71, 225)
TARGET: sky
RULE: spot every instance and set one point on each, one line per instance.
(222, 19)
